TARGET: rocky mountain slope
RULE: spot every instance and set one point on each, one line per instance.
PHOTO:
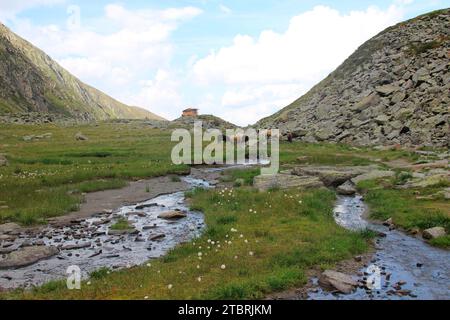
(395, 89)
(30, 81)
(209, 122)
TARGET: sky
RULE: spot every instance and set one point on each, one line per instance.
(241, 60)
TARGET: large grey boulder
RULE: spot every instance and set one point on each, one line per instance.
(337, 281)
(346, 189)
(285, 181)
(433, 233)
(172, 215)
(27, 256)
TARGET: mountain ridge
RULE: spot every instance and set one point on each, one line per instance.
(31, 81)
(394, 89)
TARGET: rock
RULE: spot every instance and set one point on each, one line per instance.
(156, 237)
(347, 189)
(77, 246)
(143, 206)
(388, 222)
(398, 97)
(382, 119)
(3, 161)
(331, 176)
(27, 256)
(375, 174)
(387, 89)
(80, 137)
(285, 181)
(172, 215)
(434, 233)
(9, 228)
(337, 281)
(324, 134)
(369, 101)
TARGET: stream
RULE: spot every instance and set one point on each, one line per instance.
(409, 268)
(91, 245)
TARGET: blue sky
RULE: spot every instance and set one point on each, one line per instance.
(241, 60)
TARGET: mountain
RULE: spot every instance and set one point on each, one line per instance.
(395, 89)
(31, 82)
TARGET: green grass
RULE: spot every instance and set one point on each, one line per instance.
(121, 224)
(405, 209)
(246, 175)
(284, 234)
(45, 178)
(337, 154)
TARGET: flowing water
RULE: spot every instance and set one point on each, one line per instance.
(94, 247)
(408, 267)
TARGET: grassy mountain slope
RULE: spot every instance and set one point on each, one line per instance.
(30, 81)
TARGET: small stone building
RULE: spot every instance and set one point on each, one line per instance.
(190, 112)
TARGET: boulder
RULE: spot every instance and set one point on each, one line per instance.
(346, 189)
(143, 206)
(27, 256)
(337, 281)
(157, 237)
(371, 175)
(369, 101)
(285, 181)
(172, 215)
(80, 137)
(387, 89)
(331, 176)
(9, 228)
(434, 233)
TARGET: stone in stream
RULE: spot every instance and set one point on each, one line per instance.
(27, 256)
(143, 206)
(333, 280)
(149, 227)
(172, 215)
(434, 233)
(77, 246)
(157, 237)
(9, 228)
(346, 189)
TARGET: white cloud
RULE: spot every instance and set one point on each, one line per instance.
(162, 94)
(121, 62)
(263, 74)
(225, 9)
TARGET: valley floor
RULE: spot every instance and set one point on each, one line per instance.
(255, 243)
